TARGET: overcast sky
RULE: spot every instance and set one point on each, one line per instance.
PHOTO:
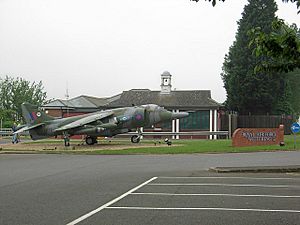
(103, 47)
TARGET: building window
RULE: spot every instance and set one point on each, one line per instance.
(166, 126)
(198, 120)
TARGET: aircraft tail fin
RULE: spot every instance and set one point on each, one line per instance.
(33, 115)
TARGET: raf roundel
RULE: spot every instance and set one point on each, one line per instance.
(138, 117)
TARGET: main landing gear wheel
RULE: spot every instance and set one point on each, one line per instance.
(90, 140)
(135, 139)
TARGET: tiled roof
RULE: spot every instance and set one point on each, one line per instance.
(179, 99)
(193, 98)
(79, 102)
(59, 103)
(89, 101)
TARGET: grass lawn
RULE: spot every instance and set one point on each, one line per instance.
(123, 146)
(204, 146)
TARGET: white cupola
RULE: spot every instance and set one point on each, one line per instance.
(166, 83)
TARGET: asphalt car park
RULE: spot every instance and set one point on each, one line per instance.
(245, 199)
(147, 189)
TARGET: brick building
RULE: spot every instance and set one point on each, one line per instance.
(203, 110)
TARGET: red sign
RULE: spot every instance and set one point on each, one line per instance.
(257, 136)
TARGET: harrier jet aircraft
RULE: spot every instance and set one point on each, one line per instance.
(105, 123)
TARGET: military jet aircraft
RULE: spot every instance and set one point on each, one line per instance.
(105, 123)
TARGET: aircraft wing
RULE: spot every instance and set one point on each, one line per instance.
(85, 120)
(26, 128)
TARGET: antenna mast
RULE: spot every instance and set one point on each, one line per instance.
(67, 98)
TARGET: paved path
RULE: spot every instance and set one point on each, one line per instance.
(4, 141)
(57, 189)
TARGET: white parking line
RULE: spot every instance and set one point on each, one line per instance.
(241, 178)
(229, 195)
(148, 182)
(225, 185)
(85, 216)
(215, 209)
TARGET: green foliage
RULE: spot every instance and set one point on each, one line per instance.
(280, 48)
(153, 147)
(276, 51)
(7, 117)
(294, 82)
(15, 91)
(283, 104)
(281, 53)
(249, 92)
(297, 2)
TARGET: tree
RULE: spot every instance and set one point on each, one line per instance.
(277, 51)
(283, 103)
(249, 92)
(6, 117)
(15, 91)
(294, 81)
(297, 2)
(281, 47)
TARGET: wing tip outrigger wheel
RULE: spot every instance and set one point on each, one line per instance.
(135, 139)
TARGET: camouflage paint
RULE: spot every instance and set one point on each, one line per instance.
(112, 122)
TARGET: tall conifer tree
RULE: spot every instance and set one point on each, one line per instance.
(249, 92)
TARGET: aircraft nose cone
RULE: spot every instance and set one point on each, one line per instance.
(179, 115)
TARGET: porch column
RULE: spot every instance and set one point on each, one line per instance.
(177, 126)
(173, 126)
(210, 123)
(215, 122)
